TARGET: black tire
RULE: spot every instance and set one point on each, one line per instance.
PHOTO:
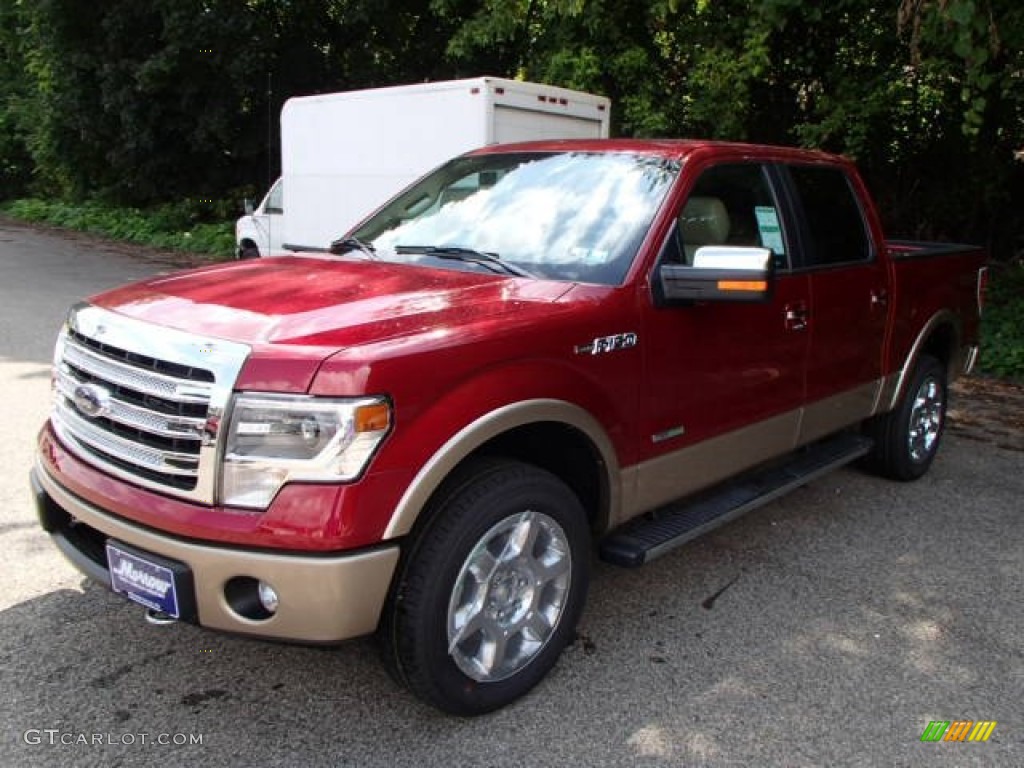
(248, 250)
(907, 438)
(466, 584)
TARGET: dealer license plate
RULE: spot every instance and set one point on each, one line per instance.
(143, 580)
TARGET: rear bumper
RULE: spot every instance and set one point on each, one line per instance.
(323, 598)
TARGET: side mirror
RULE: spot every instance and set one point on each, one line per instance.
(719, 273)
(247, 204)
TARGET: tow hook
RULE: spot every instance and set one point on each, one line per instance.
(159, 618)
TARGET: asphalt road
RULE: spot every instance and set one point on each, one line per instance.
(859, 610)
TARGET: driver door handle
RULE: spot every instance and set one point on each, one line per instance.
(796, 316)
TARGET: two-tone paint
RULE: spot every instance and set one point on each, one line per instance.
(632, 402)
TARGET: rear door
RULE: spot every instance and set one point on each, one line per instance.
(847, 316)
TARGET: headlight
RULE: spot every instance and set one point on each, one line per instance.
(276, 439)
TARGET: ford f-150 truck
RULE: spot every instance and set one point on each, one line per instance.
(525, 356)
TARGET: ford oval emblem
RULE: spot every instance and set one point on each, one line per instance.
(91, 400)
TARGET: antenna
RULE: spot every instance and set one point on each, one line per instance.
(270, 130)
(270, 156)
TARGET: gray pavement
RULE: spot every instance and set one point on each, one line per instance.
(859, 610)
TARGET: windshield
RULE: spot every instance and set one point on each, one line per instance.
(563, 216)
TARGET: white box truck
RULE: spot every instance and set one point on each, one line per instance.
(344, 154)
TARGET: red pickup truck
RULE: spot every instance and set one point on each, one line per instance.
(535, 350)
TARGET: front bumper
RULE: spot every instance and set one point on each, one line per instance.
(323, 598)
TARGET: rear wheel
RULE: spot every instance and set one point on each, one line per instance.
(907, 439)
(491, 590)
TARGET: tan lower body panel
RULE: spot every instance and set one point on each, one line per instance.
(833, 413)
(323, 599)
(656, 482)
(677, 474)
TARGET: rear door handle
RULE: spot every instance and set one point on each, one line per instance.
(879, 297)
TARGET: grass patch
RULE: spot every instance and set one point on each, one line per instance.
(177, 227)
(1002, 324)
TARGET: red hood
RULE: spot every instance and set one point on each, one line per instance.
(325, 303)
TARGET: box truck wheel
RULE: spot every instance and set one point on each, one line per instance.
(247, 249)
(491, 590)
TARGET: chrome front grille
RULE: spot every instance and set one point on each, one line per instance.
(142, 402)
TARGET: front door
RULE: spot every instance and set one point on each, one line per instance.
(724, 381)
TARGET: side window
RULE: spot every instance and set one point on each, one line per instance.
(833, 217)
(729, 205)
(275, 198)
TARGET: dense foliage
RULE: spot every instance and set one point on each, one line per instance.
(141, 102)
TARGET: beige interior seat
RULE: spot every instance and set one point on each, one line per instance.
(704, 221)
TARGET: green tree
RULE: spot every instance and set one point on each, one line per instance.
(160, 100)
(142, 101)
(15, 103)
(967, 60)
(595, 45)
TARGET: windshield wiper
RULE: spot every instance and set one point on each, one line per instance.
(348, 244)
(484, 258)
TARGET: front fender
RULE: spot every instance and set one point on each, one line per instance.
(485, 428)
(434, 438)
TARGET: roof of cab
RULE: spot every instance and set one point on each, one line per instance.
(679, 149)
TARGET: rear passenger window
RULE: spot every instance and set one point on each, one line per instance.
(835, 223)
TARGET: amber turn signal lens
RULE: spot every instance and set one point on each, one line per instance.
(373, 418)
(742, 285)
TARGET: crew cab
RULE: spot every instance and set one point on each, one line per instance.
(424, 431)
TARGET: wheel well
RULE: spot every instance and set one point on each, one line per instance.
(248, 242)
(565, 452)
(941, 345)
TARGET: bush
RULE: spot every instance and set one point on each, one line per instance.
(176, 226)
(1002, 325)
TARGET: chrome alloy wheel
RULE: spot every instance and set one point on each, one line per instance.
(509, 596)
(926, 419)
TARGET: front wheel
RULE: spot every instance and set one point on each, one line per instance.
(491, 591)
(247, 250)
(907, 439)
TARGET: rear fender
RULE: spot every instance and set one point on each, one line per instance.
(896, 382)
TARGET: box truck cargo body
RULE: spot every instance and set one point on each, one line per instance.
(344, 154)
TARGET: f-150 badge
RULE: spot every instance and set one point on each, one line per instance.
(604, 344)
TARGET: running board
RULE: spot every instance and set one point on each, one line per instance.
(649, 536)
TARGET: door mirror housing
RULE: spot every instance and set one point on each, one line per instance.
(719, 273)
(248, 206)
